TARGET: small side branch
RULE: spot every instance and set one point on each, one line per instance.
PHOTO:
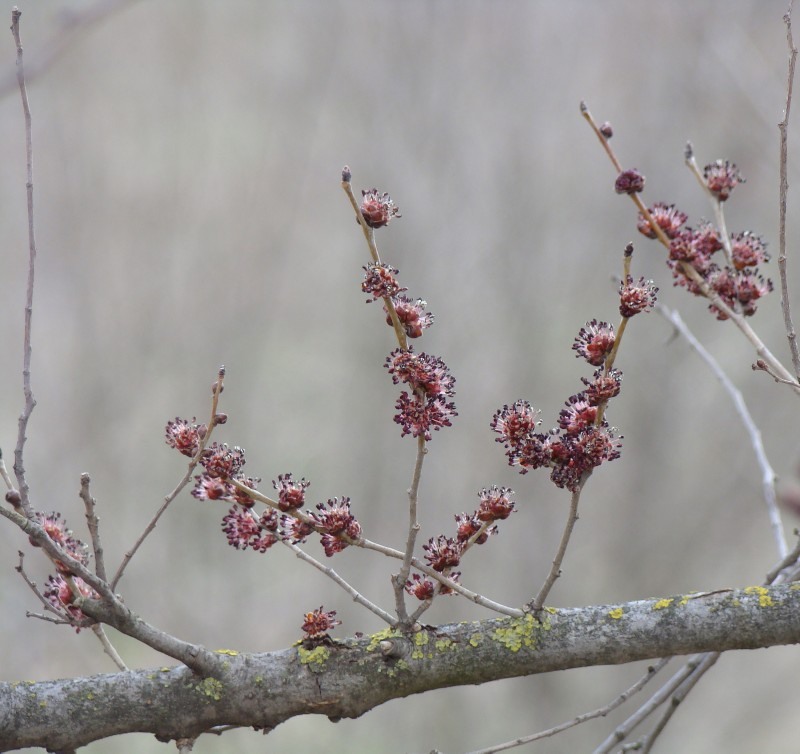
(783, 128)
(19, 468)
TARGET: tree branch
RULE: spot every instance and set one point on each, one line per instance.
(346, 679)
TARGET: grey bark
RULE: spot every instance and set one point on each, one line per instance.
(347, 678)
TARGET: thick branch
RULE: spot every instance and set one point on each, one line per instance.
(346, 679)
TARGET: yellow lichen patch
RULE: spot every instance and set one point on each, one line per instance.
(377, 638)
(663, 604)
(442, 644)
(764, 598)
(211, 687)
(475, 640)
(317, 656)
(518, 633)
(231, 652)
(616, 613)
(684, 600)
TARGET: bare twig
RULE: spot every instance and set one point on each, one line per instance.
(399, 581)
(215, 393)
(783, 128)
(4, 472)
(555, 569)
(108, 647)
(622, 731)
(336, 578)
(776, 368)
(652, 671)
(73, 22)
(93, 524)
(768, 476)
(19, 468)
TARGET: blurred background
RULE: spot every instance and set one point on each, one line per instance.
(187, 166)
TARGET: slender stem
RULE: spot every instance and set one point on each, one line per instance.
(618, 701)
(555, 569)
(768, 475)
(776, 367)
(19, 468)
(336, 578)
(218, 386)
(108, 647)
(413, 529)
(783, 127)
(93, 525)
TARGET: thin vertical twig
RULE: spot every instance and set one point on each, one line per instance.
(783, 128)
(19, 468)
(217, 389)
(768, 475)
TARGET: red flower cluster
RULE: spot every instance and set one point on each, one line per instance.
(412, 315)
(244, 529)
(378, 209)
(380, 282)
(185, 436)
(581, 441)
(426, 408)
(318, 622)
(59, 594)
(735, 279)
(57, 530)
(222, 464)
(722, 177)
(291, 494)
(338, 523)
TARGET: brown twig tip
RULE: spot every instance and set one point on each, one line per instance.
(629, 250)
(584, 108)
(346, 174)
(15, 14)
(688, 151)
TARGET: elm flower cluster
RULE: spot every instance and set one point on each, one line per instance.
(318, 622)
(722, 177)
(380, 281)
(56, 529)
(61, 596)
(377, 208)
(732, 275)
(244, 528)
(582, 441)
(222, 464)
(426, 406)
(185, 436)
(337, 523)
(412, 315)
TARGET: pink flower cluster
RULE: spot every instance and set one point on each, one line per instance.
(734, 278)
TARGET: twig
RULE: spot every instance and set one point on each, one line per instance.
(369, 235)
(399, 581)
(789, 559)
(776, 367)
(367, 544)
(4, 472)
(768, 476)
(93, 524)
(19, 468)
(783, 128)
(706, 663)
(19, 568)
(73, 22)
(555, 569)
(217, 389)
(652, 671)
(621, 732)
(336, 578)
(108, 647)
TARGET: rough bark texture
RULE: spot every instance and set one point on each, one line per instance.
(348, 678)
